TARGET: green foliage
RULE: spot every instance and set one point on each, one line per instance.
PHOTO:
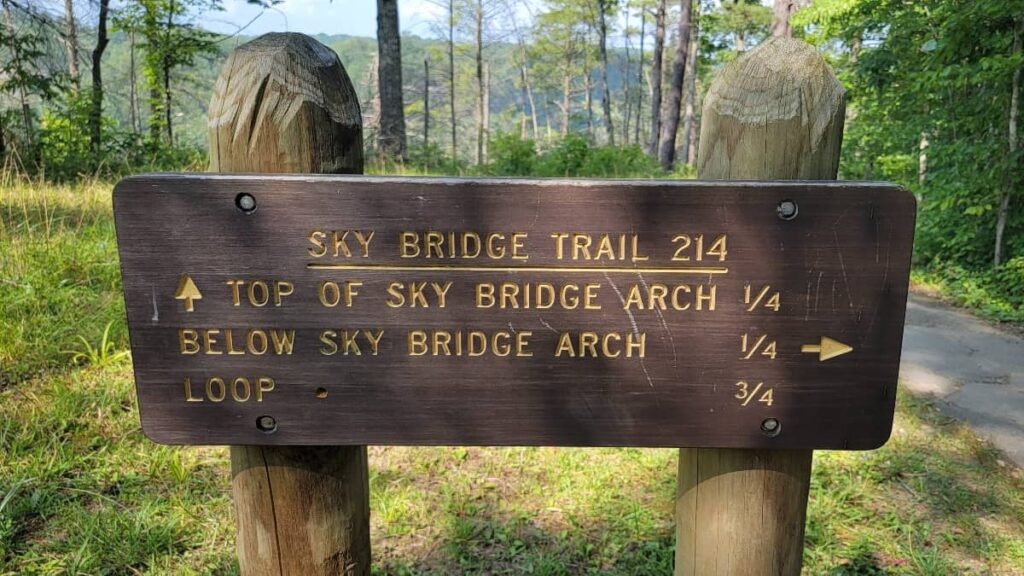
(929, 89)
(170, 40)
(571, 156)
(102, 353)
(995, 294)
(59, 277)
(512, 156)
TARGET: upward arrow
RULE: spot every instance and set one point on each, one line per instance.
(827, 349)
(188, 291)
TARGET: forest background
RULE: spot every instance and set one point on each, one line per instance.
(600, 88)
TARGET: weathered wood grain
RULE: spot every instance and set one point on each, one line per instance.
(774, 113)
(284, 103)
(840, 267)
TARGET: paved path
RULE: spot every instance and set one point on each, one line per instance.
(977, 370)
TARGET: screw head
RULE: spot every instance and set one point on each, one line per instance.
(246, 202)
(771, 427)
(266, 424)
(787, 209)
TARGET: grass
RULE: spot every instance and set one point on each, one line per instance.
(82, 491)
(59, 276)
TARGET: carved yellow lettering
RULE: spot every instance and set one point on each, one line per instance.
(560, 244)
(330, 347)
(210, 341)
(564, 346)
(706, 297)
(517, 246)
(350, 291)
(374, 339)
(485, 295)
(340, 246)
(349, 342)
(284, 341)
(188, 391)
(263, 386)
(417, 343)
(188, 341)
(636, 343)
(241, 389)
(410, 244)
(364, 241)
(316, 238)
(396, 299)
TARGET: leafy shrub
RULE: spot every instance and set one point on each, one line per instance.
(569, 157)
(512, 156)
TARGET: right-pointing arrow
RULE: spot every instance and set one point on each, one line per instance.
(827, 349)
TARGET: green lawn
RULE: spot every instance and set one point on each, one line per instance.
(82, 491)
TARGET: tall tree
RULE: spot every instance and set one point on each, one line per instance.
(451, 78)
(689, 124)
(478, 53)
(1012, 138)
(391, 136)
(640, 76)
(605, 8)
(426, 103)
(656, 75)
(783, 10)
(71, 41)
(670, 126)
(96, 103)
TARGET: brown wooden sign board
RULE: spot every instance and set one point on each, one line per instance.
(341, 310)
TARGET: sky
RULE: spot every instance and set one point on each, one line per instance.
(354, 17)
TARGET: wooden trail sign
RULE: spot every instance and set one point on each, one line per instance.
(305, 310)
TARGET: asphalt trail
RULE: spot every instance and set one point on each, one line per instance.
(975, 369)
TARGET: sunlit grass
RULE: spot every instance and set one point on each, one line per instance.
(82, 491)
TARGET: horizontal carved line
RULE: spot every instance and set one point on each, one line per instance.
(454, 268)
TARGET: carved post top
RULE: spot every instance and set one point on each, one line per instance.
(284, 103)
(776, 112)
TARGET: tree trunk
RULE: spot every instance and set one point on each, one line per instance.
(566, 89)
(478, 19)
(922, 162)
(487, 109)
(606, 98)
(783, 10)
(426, 103)
(391, 139)
(525, 72)
(451, 77)
(691, 89)
(640, 78)
(656, 75)
(133, 92)
(167, 102)
(290, 107)
(774, 114)
(71, 42)
(96, 110)
(627, 114)
(1004, 201)
(588, 91)
(670, 126)
(26, 112)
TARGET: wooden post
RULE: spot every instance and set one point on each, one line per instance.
(284, 103)
(775, 113)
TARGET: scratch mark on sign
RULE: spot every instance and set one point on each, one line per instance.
(842, 266)
(632, 322)
(511, 328)
(664, 324)
(156, 311)
(817, 291)
(546, 325)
